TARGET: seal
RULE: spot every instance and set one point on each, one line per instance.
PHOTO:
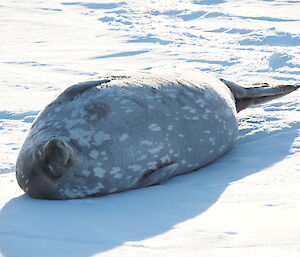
(125, 132)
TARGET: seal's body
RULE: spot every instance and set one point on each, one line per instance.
(125, 132)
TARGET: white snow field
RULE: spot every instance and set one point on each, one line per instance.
(247, 203)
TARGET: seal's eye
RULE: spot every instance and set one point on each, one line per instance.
(32, 172)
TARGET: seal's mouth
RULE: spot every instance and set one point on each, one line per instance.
(37, 185)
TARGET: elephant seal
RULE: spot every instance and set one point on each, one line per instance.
(125, 132)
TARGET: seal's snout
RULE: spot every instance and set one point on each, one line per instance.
(57, 156)
(58, 151)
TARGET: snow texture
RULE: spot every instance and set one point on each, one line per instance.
(244, 204)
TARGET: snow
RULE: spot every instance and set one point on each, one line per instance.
(244, 204)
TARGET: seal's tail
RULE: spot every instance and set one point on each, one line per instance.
(259, 94)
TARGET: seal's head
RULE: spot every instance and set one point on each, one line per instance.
(41, 169)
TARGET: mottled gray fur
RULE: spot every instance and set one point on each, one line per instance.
(126, 132)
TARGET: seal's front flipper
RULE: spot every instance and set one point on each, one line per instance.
(80, 87)
(246, 97)
(158, 175)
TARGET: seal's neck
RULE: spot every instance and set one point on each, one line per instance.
(259, 94)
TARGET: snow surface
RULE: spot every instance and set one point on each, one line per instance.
(245, 204)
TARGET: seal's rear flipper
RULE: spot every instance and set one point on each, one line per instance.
(246, 97)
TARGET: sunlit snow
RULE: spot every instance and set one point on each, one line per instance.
(244, 204)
